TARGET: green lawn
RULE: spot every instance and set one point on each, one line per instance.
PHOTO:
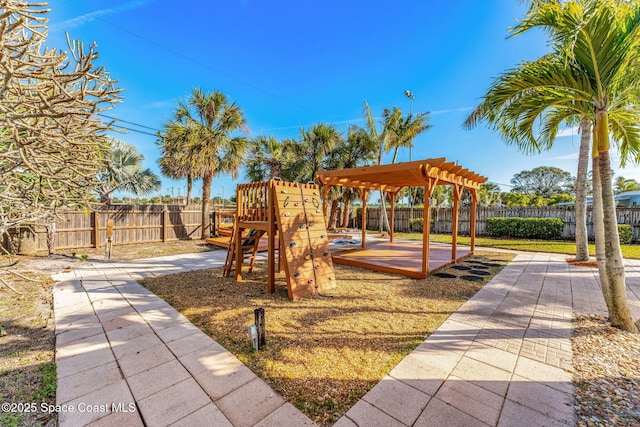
(561, 247)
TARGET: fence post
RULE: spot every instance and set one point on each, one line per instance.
(165, 223)
(96, 230)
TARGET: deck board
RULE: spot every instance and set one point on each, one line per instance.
(398, 257)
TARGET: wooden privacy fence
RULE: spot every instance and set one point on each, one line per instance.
(132, 224)
(442, 218)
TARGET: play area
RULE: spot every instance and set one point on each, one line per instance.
(292, 213)
(291, 217)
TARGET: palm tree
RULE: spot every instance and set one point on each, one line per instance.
(358, 150)
(124, 173)
(311, 152)
(269, 158)
(489, 194)
(174, 162)
(591, 76)
(397, 131)
(211, 129)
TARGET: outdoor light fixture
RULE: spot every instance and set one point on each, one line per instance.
(411, 97)
(253, 335)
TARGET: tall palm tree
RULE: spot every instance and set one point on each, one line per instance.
(124, 172)
(542, 94)
(591, 75)
(396, 132)
(358, 150)
(174, 162)
(212, 130)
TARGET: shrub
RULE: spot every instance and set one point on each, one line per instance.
(626, 233)
(416, 224)
(528, 228)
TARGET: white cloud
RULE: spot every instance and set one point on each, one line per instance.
(92, 16)
(570, 156)
(452, 110)
(568, 132)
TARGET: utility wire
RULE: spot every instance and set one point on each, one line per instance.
(202, 64)
(131, 123)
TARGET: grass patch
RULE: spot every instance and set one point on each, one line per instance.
(323, 354)
(27, 370)
(554, 246)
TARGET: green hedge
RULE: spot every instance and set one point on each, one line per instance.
(417, 224)
(528, 228)
(626, 234)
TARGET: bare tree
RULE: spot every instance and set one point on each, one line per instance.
(52, 144)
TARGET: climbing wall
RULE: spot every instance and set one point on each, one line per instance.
(303, 239)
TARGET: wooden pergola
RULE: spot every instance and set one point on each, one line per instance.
(392, 178)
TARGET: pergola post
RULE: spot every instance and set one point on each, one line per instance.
(457, 190)
(392, 216)
(325, 202)
(426, 231)
(474, 213)
(364, 193)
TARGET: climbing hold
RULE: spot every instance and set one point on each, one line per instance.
(316, 203)
(307, 257)
(301, 225)
(315, 193)
(292, 244)
(325, 253)
(296, 204)
(323, 236)
(310, 224)
(310, 281)
(286, 202)
(284, 191)
(318, 211)
(317, 266)
(287, 214)
(297, 274)
(306, 200)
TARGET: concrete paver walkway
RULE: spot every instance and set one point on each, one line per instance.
(126, 357)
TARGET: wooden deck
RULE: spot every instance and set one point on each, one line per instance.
(403, 258)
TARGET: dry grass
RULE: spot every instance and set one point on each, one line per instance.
(27, 369)
(143, 250)
(323, 354)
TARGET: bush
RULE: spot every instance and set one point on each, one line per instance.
(528, 228)
(626, 233)
(416, 224)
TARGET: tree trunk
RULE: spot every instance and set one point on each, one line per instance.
(206, 195)
(384, 219)
(411, 189)
(333, 214)
(189, 188)
(346, 213)
(598, 227)
(614, 264)
(582, 244)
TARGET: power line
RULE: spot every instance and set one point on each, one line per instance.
(136, 130)
(202, 64)
(131, 123)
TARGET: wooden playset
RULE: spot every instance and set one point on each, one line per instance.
(292, 212)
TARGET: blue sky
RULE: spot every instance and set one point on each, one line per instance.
(291, 64)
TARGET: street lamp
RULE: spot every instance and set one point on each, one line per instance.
(411, 97)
